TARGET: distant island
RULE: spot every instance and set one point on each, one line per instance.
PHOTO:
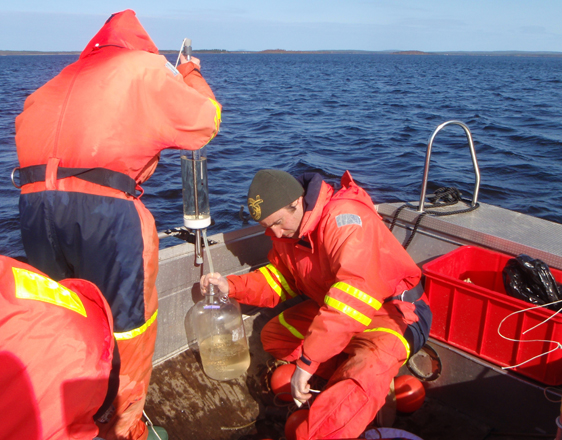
(289, 52)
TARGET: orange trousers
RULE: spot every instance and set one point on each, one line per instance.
(356, 389)
(134, 378)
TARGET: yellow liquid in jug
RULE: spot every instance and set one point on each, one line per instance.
(223, 358)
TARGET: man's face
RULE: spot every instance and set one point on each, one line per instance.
(285, 223)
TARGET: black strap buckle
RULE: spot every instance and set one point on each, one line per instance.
(410, 296)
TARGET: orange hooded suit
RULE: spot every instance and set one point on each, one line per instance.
(56, 349)
(86, 140)
(353, 272)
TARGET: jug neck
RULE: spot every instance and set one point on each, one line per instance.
(211, 298)
(215, 299)
(215, 296)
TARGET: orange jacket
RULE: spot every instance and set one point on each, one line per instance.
(116, 107)
(56, 347)
(346, 260)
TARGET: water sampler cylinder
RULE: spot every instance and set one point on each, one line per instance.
(215, 322)
(195, 192)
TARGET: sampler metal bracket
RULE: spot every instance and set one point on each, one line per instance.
(186, 235)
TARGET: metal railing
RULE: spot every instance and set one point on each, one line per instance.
(428, 157)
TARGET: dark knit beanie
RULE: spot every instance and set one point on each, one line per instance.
(270, 191)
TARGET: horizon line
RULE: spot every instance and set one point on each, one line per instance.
(307, 51)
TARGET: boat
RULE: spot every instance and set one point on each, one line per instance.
(467, 395)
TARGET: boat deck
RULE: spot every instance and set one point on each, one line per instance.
(471, 399)
(192, 406)
(488, 226)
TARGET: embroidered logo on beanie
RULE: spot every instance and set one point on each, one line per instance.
(270, 191)
(254, 206)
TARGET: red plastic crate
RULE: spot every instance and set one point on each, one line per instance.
(467, 315)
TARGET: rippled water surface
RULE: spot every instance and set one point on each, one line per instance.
(370, 114)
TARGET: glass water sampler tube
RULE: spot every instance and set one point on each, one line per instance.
(196, 211)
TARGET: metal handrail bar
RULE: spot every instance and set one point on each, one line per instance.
(472, 153)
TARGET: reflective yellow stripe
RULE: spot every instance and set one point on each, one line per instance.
(218, 116)
(137, 331)
(349, 311)
(356, 293)
(272, 283)
(31, 285)
(281, 280)
(289, 327)
(395, 333)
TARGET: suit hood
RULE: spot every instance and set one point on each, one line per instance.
(122, 29)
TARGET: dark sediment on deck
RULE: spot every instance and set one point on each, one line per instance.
(192, 406)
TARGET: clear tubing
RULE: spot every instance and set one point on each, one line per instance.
(208, 253)
(198, 253)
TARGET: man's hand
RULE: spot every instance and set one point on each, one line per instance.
(216, 279)
(300, 389)
(196, 61)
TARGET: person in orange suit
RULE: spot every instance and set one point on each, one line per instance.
(56, 355)
(364, 311)
(86, 141)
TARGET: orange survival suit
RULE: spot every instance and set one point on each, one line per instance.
(85, 141)
(56, 349)
(354, 272)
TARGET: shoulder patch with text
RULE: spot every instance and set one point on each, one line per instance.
(348, 219)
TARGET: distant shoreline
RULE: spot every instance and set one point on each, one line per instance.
(320, 52)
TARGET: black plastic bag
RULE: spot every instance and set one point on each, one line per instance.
(531, 280)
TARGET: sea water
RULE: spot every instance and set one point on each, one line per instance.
(371, 114)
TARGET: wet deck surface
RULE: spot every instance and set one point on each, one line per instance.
(192, 406)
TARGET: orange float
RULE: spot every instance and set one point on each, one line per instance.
(281, 382)
(410, 393)
(294, 421)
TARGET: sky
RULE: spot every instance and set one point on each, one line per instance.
(254, 25)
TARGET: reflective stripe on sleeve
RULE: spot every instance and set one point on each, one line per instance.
(281, 280)
(217, 119)
(272, 283)
(137, 331)
(356, 293)
(218, 116)
(395, 333)
(289, 327)
(349, 311)
(31, 285)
